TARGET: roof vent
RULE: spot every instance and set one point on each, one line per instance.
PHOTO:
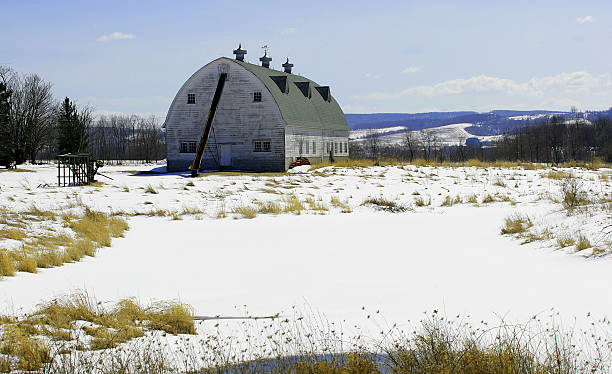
(240, 53)
(305, 88)
(287, 66)
(281, 82)
(325, 93)
(265, 60)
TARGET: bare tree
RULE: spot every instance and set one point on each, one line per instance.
(31, 114)
(373, 144)
(411, 143)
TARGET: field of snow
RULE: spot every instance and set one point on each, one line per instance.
(189, 240)
(448, 135)
(362, 133)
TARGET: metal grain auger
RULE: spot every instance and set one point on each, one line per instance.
(195, 165)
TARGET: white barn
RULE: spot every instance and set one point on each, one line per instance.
(265, 119)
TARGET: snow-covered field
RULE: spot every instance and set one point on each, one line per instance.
(447, 135)
(338, 255)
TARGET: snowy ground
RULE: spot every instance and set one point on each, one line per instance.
(451, 258)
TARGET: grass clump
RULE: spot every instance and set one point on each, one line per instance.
(384, 204)
(583, 243)
(488, 199)
(33, 354)
(316, 205)
(246, 211)
(419, 201)
(572, 193)
(7, 268)
(342, 205)
(472, 199)
(449, 201)
(269, 207)
(565, 242)
(151, 190)
(557, 175)
(27, 264)
(516, 224)
(14, 234)
(293, 205)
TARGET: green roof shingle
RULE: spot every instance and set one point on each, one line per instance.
(297, 109)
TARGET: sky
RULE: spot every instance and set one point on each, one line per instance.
(377, 56)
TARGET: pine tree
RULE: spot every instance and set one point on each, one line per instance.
(72, 132)
(5, 133)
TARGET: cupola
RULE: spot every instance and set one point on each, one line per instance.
(287, 66)
(240, 53)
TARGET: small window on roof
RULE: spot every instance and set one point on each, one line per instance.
(190, 98)
(257, 97)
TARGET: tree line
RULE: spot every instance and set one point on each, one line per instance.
(34, 126)
(551, 140)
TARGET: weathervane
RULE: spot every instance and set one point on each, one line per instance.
(265, 48)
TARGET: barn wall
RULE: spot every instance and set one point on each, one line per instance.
(238, 123)
(299, 143)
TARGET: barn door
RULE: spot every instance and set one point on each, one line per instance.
(225, 155)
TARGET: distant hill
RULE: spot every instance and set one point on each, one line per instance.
(484, 124)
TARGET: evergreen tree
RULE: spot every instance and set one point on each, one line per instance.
(71, 128)
(5, 133)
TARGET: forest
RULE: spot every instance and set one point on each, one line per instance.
(35, 126)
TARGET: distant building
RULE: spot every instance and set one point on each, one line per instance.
(265, 118)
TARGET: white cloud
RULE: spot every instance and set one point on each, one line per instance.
(567, 83)
(411, 69)
(115, 36)
(585, 19)
(288, 30)
(373, 76)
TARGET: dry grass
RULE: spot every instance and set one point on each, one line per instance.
(151, 190)
(419, 201)
(565, 242)
(384, 204)
(246, 211)
(14, 234)
(557, 174)
(108, 327)
(17, 170)
(342, 205)
(450, 201)
(269, 207)
(318, 205)
(583, 243)
(293, 205)
(488, 199)
(52, 248)
(7, 267)
(516, 224)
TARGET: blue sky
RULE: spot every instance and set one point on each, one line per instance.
(377, 56)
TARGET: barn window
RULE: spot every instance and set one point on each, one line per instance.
(257, 97)
(314, 147)
(191, 98)
(188, 147)
(345, 147)
(335, 147)
(261, 146)
(307, 147)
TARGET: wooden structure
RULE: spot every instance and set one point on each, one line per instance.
(265, 119)
(76, 169)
